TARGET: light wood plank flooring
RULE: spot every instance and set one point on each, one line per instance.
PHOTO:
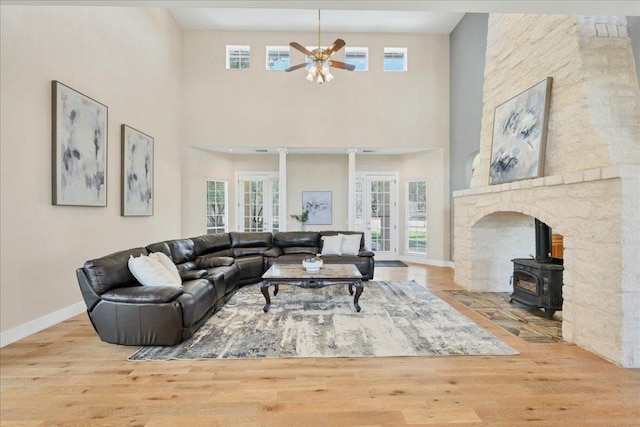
(65, 376)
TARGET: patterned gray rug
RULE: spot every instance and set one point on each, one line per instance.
(397, 319)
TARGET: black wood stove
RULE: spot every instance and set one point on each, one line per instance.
(538, 282)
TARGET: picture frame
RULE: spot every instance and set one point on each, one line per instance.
(318, 203)
(79, 134)
(520, 135)
(137, 172)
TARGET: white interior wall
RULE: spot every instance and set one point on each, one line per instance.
(203, 165)
(142, 65)
(127, 59)
(373, 109)
(259, 107)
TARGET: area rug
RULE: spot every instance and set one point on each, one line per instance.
(390, 264)
(527, 323)
(397, 319)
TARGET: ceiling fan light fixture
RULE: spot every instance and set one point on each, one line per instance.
(319, 67)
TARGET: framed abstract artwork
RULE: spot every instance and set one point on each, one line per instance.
(318, 203)
(79, 148)
(520, 135)
(137, 173)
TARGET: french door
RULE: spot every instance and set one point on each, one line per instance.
(377, 212)
(258, 202)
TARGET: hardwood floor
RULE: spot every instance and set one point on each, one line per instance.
(66, 376)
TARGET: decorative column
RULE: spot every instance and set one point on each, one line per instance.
(282, 185)
(351, 203)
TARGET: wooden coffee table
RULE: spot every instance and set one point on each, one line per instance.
(296, 275)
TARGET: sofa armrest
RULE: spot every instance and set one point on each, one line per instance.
(211, 261)
(143, 294)
(365, 252)
(273, 252)
(193, 274)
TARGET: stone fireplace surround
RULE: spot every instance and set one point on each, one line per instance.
(590, 193)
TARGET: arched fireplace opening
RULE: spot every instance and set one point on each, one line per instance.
(517, 253)
(537, 282)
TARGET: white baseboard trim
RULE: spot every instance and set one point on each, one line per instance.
(22, 331)
(426, 261)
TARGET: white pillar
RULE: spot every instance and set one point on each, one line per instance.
(351, 221)
(282, 184)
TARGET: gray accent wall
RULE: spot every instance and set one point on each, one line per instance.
(468, 43)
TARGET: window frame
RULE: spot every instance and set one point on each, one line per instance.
(266, 200)
(225, 216)
(408, 217)
(395, 50)
(277, 49)
(349, 49)
(232, 47)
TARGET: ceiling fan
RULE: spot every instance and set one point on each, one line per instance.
(320, 60)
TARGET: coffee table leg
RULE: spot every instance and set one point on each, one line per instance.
(359, 288)
(350, 288)
(264, 288)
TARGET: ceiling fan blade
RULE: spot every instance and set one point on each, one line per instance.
(342, 65)
(336, 46)
(295, 67)
(300, 48)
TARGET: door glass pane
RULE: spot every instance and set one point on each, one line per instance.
(359, 204)
(216, 207)
(417, 217)
(253, 205)
(380, 222)
(275, 205)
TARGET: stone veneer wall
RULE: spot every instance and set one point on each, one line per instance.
(591, 189)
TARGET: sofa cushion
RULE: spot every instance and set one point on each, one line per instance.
(187, 266)
(166, 263)
(309, 250)
(150, 272)
(112, 271)
(334, 233)
(198, 298)
(273, 252)
(211, 243)
(180, 250)
(250, 267)
(242, 252)
(160, 247)
(251, 239)
(143, 294)
(284, 239)
(350, 244)
(209, 261)
(193, 274)
(222, 253)
(331, 245)
(291, 259)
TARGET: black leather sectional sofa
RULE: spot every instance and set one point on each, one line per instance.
(212, 267)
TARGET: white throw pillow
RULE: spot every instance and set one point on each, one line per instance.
(350, 244)
(331, 245)
(167, 263)
(150, 272)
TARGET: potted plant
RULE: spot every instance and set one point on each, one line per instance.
(302, 218)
